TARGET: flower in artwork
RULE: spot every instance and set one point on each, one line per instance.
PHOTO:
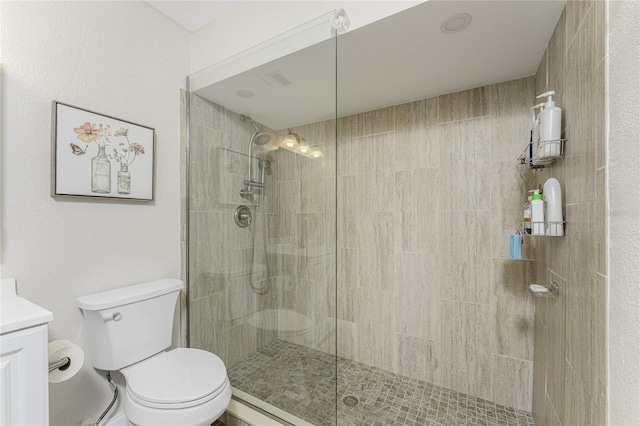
(88, 132)
(127, 152)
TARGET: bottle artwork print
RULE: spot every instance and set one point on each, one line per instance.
(124, 154)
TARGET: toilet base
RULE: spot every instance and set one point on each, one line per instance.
(117, 419)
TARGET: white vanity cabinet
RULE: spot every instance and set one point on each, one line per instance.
(24, 385)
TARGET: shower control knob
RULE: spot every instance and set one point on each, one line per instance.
(242, 216)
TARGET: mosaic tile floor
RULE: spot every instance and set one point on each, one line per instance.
(301, 381)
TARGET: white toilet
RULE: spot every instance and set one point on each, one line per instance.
(129, 330)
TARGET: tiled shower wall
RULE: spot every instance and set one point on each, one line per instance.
(302, 237)
(222, 305)
(570, 378)
(428, 193)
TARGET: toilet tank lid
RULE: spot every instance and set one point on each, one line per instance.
(130, 294)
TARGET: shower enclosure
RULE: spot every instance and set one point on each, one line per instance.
(355, 270)
(261, 206)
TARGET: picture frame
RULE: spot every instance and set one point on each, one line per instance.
(97, 156)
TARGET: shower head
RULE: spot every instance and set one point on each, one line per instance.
(259, 137)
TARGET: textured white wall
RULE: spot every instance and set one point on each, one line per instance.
(624, 185)
(252, 22)
(123, 59)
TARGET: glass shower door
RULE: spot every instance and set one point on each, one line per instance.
(262, 220)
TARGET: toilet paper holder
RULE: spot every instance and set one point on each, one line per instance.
(61, 364)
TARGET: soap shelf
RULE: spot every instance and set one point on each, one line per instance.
(548, 226)
(538, 290)
(550, 150)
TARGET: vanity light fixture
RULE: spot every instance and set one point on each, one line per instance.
(290, 140)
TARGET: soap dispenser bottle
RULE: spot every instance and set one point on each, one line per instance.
(550, 127)
(526, 219)
(553, 199)
(537, 213)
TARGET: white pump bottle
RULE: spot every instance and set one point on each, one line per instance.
(550, 127)
(552, 195)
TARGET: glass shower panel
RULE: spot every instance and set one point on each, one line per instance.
(262, 221)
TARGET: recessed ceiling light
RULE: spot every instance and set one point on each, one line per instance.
(246, 94)
(455, 23)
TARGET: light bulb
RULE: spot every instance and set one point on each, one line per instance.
(316, 154)
(290, 141)
(304, 149)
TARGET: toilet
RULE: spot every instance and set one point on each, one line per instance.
(129, 330)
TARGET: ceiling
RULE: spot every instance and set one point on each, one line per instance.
(192, 15)
(398, 59)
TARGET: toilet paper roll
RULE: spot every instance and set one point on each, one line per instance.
(59, 349)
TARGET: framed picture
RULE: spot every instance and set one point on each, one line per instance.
(95, 155)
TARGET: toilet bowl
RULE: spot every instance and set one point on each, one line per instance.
(129, 330)
(179, 387)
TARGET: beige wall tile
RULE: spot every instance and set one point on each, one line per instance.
(375, 250)
(347, 211)
(416, 358)
(576, 12)
(581, 147)
(557, 59)
(416, 281)
(347, 278)
(375, 173)
(347, 157)
(207, 261)
(466, 266)
(466, 154)
(580, 408)
(465, 348)
(513, 309)
(210, 330)
(551, 417)
(581, 293)
(417, 135)
(374, 122)
(601, 222)
(416, 216)
(347, 339)
(242, 342)
(539, 392)
(464, 105)
(374, 316)
(510, 116)
(541, 74)
(597, 106)
(511, 380)
(556, 349)
(599, 336)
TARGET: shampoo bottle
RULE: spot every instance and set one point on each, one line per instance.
(553, 213)
(526, 220)
(537, 213)
(550, 127)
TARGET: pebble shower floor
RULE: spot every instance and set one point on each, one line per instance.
(301, 381)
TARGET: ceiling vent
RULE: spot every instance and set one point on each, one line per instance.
(280, 79)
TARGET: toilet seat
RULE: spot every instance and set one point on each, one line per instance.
(180, 378)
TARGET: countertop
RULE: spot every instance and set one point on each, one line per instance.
(17, 312)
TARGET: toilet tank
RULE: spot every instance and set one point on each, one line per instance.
(129, 324)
